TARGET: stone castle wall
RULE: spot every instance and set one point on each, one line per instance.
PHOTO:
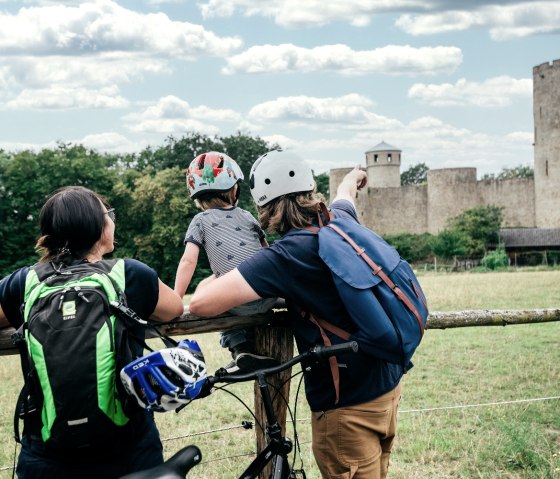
(525, 202)
(427, 208)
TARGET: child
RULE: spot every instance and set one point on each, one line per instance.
(228, 234)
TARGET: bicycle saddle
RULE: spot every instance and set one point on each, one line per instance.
(176, 467)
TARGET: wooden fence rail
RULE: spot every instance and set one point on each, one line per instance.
(275, 339)
(189, 324)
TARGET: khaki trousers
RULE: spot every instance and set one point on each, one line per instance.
(355, 442)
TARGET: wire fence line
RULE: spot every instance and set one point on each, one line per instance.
(401, 411)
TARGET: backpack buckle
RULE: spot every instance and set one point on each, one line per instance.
(17, 338)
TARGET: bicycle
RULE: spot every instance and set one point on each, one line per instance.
(278, 446)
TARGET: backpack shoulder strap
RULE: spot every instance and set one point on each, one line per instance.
(324, 217)
(325, 325)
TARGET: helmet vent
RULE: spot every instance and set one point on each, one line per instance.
(201, 162)
(267, 181)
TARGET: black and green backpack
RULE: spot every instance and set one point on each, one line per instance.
(73, 342)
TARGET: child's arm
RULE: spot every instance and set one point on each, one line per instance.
(186, 268)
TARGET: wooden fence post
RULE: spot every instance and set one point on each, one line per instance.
(276, 342)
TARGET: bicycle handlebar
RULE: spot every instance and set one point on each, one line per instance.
(317, 352)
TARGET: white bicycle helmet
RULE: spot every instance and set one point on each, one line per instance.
(166, 379)
(278, 173)
(212, 171)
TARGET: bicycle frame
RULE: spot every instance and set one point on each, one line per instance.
(278, 447)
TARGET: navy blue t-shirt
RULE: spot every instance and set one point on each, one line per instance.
(292, 269)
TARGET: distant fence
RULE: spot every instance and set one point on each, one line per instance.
(516, 259)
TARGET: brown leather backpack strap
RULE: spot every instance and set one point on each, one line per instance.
(333, 329)
(324, 215)
(332, 359)
(377, 270)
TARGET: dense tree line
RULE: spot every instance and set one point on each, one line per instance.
(147, 190)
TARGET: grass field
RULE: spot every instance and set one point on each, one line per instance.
(474, 406)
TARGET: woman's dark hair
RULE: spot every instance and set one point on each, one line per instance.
(71, 222)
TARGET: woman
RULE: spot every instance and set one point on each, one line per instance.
(352, 436)
(77, 227)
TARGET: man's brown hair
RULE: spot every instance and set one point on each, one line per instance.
(293, 211)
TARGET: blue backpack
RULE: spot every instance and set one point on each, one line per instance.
(379, 290)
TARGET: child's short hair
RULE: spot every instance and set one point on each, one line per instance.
(214, 199)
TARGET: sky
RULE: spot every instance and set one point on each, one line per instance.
(449, 83)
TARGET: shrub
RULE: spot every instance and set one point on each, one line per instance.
(496, 259)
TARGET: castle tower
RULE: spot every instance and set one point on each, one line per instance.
(546, 114)
(383, 163)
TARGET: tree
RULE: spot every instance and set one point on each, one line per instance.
(450, 243)
(415, 175)
(147, 189)
(176, 152)
(28, 178)
(158, 214)
(520, 171)
(480, 226)
(322, 182)
(412, 247)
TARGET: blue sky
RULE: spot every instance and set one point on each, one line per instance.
(447, 82)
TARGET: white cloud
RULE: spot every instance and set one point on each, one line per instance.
(284, 141)
(62, 98)
(521, 137)
(345, 112)
(423, 140)
(110, 142)
(104, 26)
(504, 18)
(172, 115)
(61, 55)
(295, 13)
(503, 21)
(105, 69)
(391, 59)
(204, 113)
(494, 92)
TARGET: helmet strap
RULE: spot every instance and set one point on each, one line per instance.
(237, 192)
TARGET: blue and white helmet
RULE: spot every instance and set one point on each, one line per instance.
(166, 379)
(212, 172)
